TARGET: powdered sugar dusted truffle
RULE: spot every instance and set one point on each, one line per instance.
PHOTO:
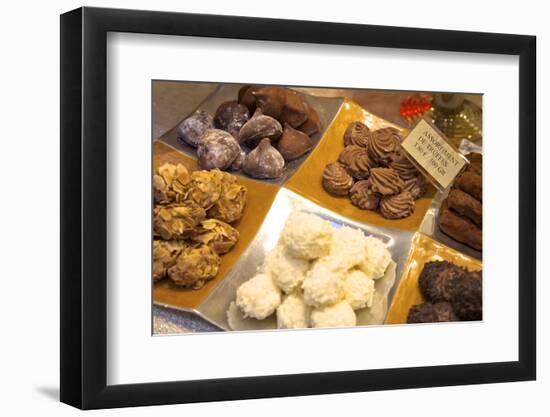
(217, 149)
(307, 236)
(337, 315)
(287, 272)
(231, 116)
(358, 290)
(258, 297)
(191, 129)
(293, 313)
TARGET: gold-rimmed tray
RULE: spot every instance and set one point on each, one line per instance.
(307, 181)
(423, 249)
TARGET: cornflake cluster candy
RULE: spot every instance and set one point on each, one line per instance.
(191, 223)
(373, 172)
(316, 276)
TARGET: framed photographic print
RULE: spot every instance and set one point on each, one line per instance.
(258, 208)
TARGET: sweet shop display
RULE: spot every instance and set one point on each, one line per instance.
(279, 208)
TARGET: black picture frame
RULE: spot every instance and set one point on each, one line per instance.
(84, 207)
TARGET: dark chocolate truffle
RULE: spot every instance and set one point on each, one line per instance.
(467, 298)
(295, 109)
(246, 97)
(264, 161)
(270, 100)
(438, 279)
(259, 127)
(293, 143)
(422, 313)
(444, 312)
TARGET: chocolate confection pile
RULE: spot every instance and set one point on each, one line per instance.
(452, 294)
(460, 215)
(373, 172)
(259, 133)
(191, 222)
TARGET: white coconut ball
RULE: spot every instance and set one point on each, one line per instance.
(287, 272)
(307, 236)
(378, 258)
(336, 315)
(258, 297)
(358, 290)
(323, 284)
(293, 313)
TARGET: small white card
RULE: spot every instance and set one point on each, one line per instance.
(431, 151)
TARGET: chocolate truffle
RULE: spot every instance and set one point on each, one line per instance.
(270, 100)
(336, 179)
(431, 313)
(264, 161)
(237, 164)
(421, 313)
(438, 280)
(231, 116)
(217, 149)
(295, 109)
(385, 181)
(467, 298)
(363, 197)
(357, 133)
(397, 206)
(293, 143)
(246, 97)
(191, 129)
(444, 312)
(312, 124)
(356, 161)
(259, 127)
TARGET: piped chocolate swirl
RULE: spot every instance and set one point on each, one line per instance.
(385, 181)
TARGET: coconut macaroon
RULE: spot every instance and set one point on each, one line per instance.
(323, 284)
(307, 236)
(336, 315)
(349, 247)
(293, 313)
(358, 290)
(378, 258)
(287, 272)
(258, 297)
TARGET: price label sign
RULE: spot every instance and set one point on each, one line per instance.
(430, 150)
